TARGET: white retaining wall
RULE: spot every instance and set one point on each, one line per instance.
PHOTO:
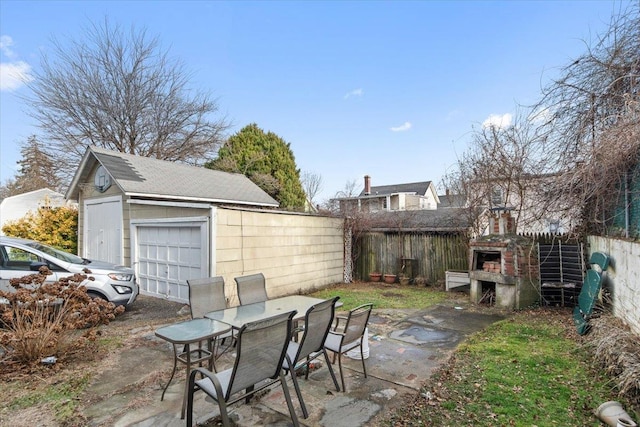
(622, 277)
(297, 253)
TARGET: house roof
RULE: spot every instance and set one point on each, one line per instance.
(452, 201)
(413, 187)
(153, 178)
(447, 220)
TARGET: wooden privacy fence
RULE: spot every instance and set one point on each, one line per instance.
(425, 255)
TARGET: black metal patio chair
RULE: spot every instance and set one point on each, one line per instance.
(251, 288)
(349, 335)
(261, 348)
(317, 322)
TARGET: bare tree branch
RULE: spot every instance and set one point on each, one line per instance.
(312, 184)
(119, 90)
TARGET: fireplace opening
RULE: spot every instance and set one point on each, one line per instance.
(488, 293)
(487, 261)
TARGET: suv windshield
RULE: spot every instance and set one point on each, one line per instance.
(63, 256)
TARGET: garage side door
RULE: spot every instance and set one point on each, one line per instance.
(103, 229)
(169, 254)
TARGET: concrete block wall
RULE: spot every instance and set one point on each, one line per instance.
(297, 253)
(622, 277)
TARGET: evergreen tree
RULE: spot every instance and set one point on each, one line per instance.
(267, 160)
(37, 169)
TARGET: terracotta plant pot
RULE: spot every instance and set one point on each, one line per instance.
(375, 277)
(404, 280)
(389, 278)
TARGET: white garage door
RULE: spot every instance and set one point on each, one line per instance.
(168, 254)
(103, 229)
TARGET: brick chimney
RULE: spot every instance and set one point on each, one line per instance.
(502, 223)
(367, 185)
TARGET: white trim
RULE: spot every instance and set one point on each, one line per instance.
(202, 199)
(212, 240)
(85, 219)
(167, 221)
(163, 203)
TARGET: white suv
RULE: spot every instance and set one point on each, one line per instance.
(21, 257)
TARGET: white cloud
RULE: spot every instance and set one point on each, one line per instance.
(403, 127)
(355, 92)
(5, 46)
(499, 121)
(14, 74)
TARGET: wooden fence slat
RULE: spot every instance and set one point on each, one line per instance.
(434, 254)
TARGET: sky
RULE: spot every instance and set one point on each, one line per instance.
(392, 90)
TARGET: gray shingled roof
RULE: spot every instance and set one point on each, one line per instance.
(413, 187)
(452, 201)
(446, 220)
(149, 177)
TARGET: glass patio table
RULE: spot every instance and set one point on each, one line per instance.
(185, 334)
(238, 316)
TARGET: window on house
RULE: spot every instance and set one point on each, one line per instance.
(554, 226)
(497, 198)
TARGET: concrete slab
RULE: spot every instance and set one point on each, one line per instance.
(405, 347)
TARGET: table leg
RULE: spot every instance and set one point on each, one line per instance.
(173, 372)
(186, 384)
(211, 346)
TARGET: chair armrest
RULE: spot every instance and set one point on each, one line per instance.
(296, 331)
(205, 373)
(337, 320)
(342, 334)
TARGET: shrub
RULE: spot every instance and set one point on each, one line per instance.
(49, 319)
(54, 226)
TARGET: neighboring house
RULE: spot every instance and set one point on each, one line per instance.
(452, 201)
(397, 197)
(448, 220)
(530, 202)
(16, 207)
(171, 222)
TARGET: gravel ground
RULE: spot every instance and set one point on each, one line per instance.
(152, 308)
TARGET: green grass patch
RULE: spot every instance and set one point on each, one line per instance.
(110, 342)
(62, 398)
(522, 371)
(383, 296)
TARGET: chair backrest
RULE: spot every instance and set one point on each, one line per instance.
(357, 323)
(589, 292)
(260, 350)
(205, 295)
(317, 320)
(600, 259)
(251, 288)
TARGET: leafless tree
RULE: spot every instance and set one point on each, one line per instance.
(119, 90)
(576, 153)
(312, 184)
(505, 168)
(594, 111)
(350, 189)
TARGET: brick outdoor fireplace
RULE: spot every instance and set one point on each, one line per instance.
(503, 267)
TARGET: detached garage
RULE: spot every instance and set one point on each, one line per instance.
(172, 222)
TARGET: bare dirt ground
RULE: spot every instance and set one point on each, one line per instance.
(32, 396)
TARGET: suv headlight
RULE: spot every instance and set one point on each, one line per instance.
(120, 277)
(122, 289)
